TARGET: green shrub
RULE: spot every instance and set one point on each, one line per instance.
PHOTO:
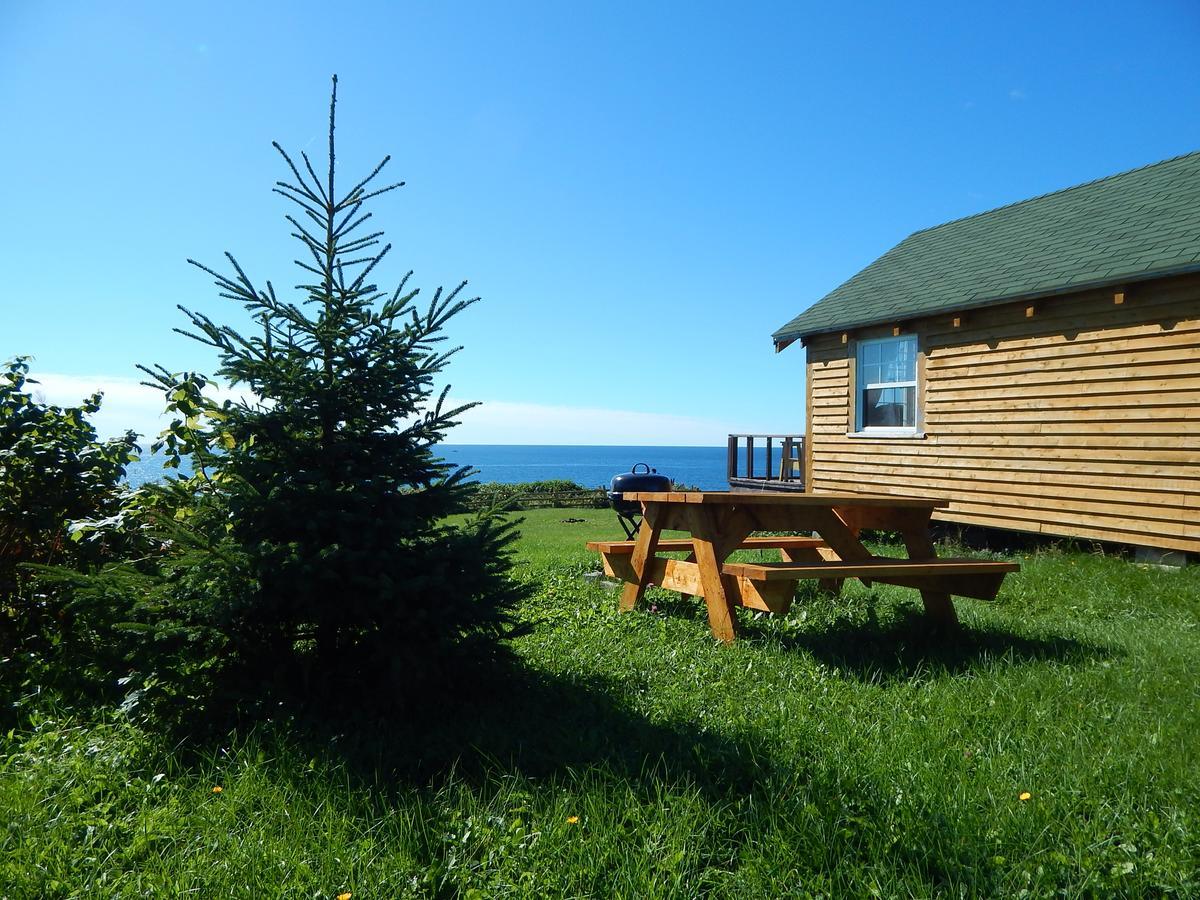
(52, 470)
(155, 627)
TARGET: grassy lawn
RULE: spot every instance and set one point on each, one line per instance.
(835, 752)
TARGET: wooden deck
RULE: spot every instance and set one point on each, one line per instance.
(765, 462)
(762, 484)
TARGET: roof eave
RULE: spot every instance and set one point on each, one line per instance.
(784, 339)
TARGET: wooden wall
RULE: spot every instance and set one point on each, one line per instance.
(1071, 416)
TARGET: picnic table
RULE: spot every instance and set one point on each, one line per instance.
(720, 523)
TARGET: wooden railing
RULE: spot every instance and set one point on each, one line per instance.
(752, 457)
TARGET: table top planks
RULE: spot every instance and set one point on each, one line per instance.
(782, 498)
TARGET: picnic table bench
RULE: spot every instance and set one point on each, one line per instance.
(720, 523)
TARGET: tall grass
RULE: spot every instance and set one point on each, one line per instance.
(839, 751)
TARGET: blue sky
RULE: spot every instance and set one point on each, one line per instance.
(640, 192)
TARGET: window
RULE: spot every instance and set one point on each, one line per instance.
(886, 375)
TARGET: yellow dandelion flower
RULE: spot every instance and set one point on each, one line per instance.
(1025, 795)
(218, 789)
(344, 896)
(572, 820)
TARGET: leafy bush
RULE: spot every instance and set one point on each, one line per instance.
(158, 623)
(52, 470)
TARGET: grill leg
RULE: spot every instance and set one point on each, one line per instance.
(629, 525)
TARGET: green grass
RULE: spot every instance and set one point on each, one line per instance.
(836, 752)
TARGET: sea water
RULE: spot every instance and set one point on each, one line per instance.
(591, 466)
(702, 467)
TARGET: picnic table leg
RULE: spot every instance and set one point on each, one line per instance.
(710, 553)
(643, 551)
(939, 608)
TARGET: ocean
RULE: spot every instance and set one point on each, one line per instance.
(703, 467)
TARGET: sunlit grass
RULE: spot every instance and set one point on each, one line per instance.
(839, 751)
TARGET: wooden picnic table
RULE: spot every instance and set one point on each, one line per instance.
(720, 523)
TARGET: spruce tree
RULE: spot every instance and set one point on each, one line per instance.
(329, 471)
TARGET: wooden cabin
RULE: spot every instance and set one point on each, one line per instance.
(1037, 365)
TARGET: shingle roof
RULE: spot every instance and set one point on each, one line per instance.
(1127, 227)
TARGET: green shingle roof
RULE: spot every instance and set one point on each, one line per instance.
(1127, 227)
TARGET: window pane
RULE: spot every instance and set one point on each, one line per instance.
(887, 352)
(889, 407)
(900, 360)
(889, 361)
(906, 354)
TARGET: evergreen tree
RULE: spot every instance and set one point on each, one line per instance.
(329, 473)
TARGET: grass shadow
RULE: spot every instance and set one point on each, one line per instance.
(902, 644)
(528, 722)
(583, 734)
(874, 639)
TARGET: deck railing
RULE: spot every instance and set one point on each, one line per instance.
(753, 457)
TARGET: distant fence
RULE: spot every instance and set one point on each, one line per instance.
(518, 500)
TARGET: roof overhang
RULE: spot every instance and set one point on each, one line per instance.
(783, 340)
(782, 343)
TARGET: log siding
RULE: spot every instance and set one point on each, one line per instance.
(1077, 416)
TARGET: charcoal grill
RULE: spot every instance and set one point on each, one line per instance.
(629, 512)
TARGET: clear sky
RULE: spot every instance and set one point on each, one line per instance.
(641, 192)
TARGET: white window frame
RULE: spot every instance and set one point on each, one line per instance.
(859, 388)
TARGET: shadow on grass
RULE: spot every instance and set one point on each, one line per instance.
(873, 640)
(536, 731)
(903, 644)
(536, 724)
(585, 734)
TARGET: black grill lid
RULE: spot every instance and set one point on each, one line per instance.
(634, 480)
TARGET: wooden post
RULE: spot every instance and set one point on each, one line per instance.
(768, 473)
(731, 457)
(749, 456)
